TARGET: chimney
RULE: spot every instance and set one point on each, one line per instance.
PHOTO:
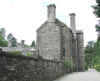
(72, 22)
(51, 13)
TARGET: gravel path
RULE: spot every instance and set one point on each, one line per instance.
(91, 75)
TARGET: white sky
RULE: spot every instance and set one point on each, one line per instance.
(23, 17)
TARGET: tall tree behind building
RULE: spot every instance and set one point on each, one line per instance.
(92, 51)
(3, 41)
(33, 44)
(12, 40)
(97, 8)
(3, 32)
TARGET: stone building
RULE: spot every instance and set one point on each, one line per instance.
(56, 41)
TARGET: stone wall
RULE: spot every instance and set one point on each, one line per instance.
(66, 42)
(22, 68)
(80, 50)
(48, 41)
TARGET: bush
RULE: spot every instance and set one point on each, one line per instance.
(28, 54)
(15, 53)
(97, 67)
(69, 64)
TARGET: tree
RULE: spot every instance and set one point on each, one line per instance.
(3, 42)
(92, 51)
(91, 44)
(92, 55)
(33, 44)
(2, 32)
(14, 42)
(89, 54)
(96, 59)
(97, 8)
(11, 39)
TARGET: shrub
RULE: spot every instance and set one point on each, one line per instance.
(28, 54)
(97, 67)
(69, 64)
(15, 53)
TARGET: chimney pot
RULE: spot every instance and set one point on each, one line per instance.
(72, 22)
(51, 13)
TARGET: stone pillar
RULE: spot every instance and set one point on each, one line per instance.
(22, 43)
(51, 13)
(80, 50)
(9, 43)
(72, 23)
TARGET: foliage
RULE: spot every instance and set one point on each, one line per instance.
(27, 46)
(96, 8)
(69, 64)
(89, 54)
(14, 42)
(33, 44)
(92, 56)
(9, 37)
(28, 54)
(92, 53)
(2, 32)
(3, 42)
(15, 53)
(12, 39)
(97, 28)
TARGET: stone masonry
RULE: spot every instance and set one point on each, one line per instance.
(24, 68)
(56, 41)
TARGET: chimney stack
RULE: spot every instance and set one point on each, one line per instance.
(51, 13)
(72, 22)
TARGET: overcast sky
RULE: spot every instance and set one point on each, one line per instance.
(23, 17)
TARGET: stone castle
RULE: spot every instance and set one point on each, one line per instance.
(56, 41)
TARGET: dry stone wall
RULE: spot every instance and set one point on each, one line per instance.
(23, 68)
